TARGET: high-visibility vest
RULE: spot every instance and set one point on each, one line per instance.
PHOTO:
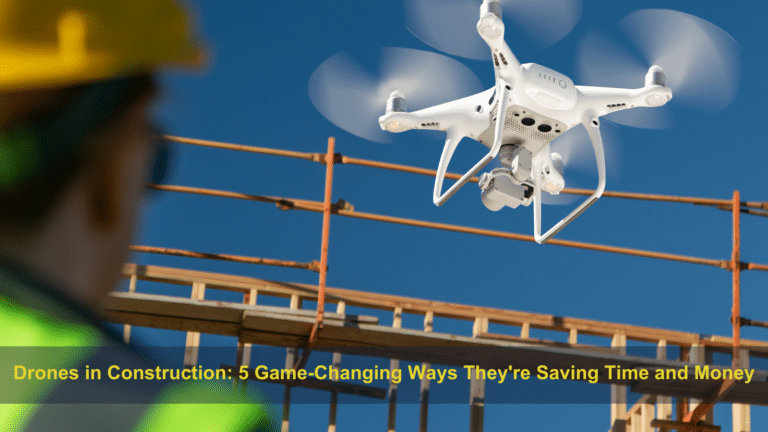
(48, 346)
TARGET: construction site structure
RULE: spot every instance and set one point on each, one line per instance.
(303, 331)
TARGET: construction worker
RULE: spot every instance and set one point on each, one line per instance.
(76, 148)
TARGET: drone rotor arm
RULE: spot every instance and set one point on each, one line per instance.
(454, 136)
(593, 129)
(604, 100)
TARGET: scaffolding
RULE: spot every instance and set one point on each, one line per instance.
(303, 331)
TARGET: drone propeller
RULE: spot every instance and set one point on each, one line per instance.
(353, 99)
(700, 60)
(450, 25)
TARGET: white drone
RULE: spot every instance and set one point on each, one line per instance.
(529, 106)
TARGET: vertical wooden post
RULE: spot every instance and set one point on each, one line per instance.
(573, 336)
(619, 392)
(695, 356)
(525, 330)
(663, 403)
(741, 412)
(290, 361)
(477, 386)
(127, 327)
(397, 322)
(192, 348)
(341, 310)
(424, 398)
(244, 349)
(646, 417)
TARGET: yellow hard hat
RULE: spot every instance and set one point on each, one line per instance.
(56, 43)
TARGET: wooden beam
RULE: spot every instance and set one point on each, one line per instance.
(439, 309)
(290, 330)
(544, 342)
(414, 305)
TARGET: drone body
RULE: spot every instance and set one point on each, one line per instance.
(529, 106)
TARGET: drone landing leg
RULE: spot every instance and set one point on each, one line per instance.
(593, 128)
(450, 146)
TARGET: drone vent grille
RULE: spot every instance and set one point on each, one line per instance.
(513, 125)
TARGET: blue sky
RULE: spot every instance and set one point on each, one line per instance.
(255, 92)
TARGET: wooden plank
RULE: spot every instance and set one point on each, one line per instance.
(416, 345)
(440, 309)
(543, 342)
(415, 305)
(209, 309)
(174, 323)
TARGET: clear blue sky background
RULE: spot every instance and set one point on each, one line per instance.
(255, 93)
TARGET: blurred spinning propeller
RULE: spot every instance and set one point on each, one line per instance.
(450, 25)
(353, 98)
(700, 60)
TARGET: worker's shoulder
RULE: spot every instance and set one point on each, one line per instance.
(72, 372)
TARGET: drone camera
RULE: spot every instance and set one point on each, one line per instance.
(499, 188)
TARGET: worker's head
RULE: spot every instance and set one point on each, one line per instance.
(76, 141)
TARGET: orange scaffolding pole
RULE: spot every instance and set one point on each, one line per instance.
(327, 206)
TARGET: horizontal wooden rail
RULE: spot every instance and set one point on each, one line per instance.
(413, 305)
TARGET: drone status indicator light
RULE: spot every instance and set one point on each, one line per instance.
(394, 126)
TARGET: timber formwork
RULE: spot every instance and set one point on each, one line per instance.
(293, 326)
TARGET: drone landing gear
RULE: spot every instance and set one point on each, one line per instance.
(593, 129)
